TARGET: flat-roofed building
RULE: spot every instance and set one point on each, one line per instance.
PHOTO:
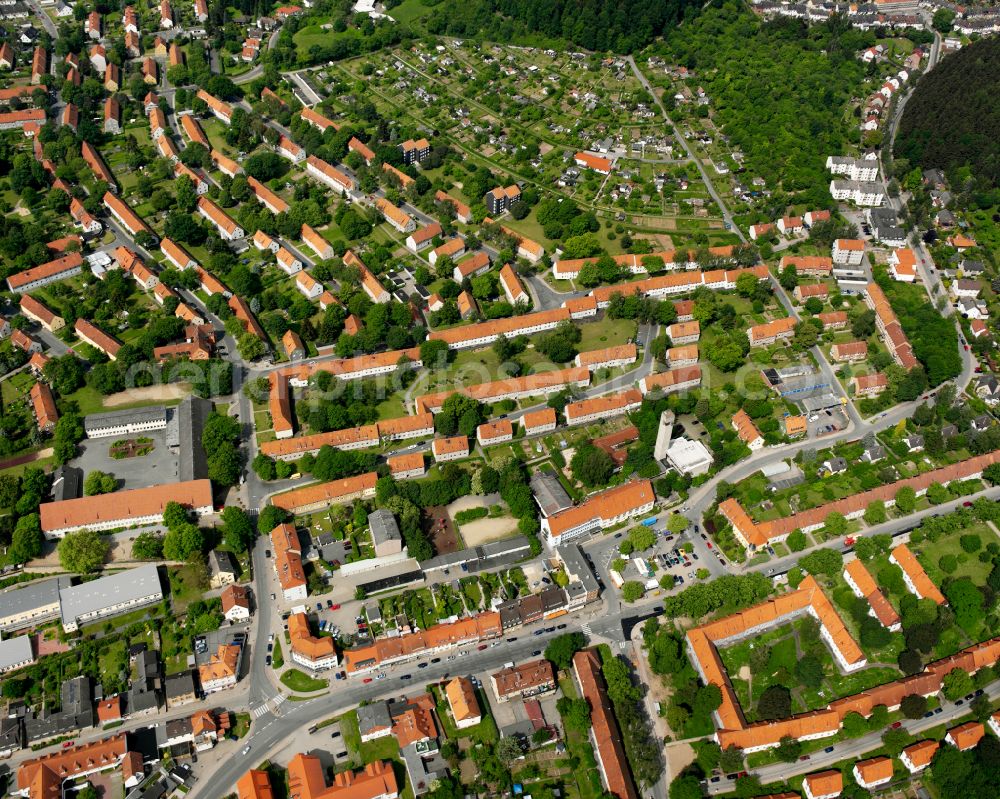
(16, 653)
(110, 596)
(125, 423)
(33, 604)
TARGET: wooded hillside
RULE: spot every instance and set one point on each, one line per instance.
(621, 26)
(953, 117)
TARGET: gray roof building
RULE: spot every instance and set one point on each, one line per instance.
(66, 483)
(373, 717)
(385, 531)
(34, 603)
(132, 420)
(15, 653)
(110, 596)
(11, 735)
(191, 416)
(549, 492)
(179, 688)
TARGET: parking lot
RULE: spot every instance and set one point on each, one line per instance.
(159, 466)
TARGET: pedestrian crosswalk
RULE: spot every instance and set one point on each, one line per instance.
(264, 709)
(586, 629)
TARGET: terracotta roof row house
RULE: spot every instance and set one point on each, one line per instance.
(437, 638)
(604, 733)
(125, 216)
(228, 228)
(43, 405)
(485, 333)
(889, 327)
(462, 211)
(601, 510)
(395, 216)
(672, 380)
(770, 332)
(131, 507)
(323, 172)
(315, 497)
(405, 427)
(757, 534)
(534, 385)
(61, 268)
(676, 283)
(317, 120)
(222, 111)
(607, 406)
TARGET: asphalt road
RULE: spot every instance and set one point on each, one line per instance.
(286, 719)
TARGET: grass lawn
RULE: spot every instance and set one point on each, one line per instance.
(605, 333)
(184, 587)
(409, 11)
(386, 748)
(300, 681)
(930, 553)
(242, 726)
(112, 660)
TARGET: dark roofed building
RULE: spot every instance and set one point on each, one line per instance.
(179, 689)
(549, 492)
(191, 416)
(67, 482)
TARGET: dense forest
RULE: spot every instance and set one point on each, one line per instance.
(953, 118)
(779, 90)
(622, 26)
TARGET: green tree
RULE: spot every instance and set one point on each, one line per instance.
(835, 524)
(855, 725)
(731, 759)
(83, 551)
(875, 513)
(796, 541)
(809, 670)
(642, 538)
(508, 750)
(956, 684)
(237, 530)
(686, 787)
(147, 546)
(789, 749)
(632, 591)
(26, 541)
(98, 482)
(591, 466)
(174, 515)
(943, 20)
(561, 649)
(676, 523)
(823, 561)
(575, 713)
(906, 500)
(183, 541)
(913, 706)
(775, 703)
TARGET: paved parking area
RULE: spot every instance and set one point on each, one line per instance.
(159, 466)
